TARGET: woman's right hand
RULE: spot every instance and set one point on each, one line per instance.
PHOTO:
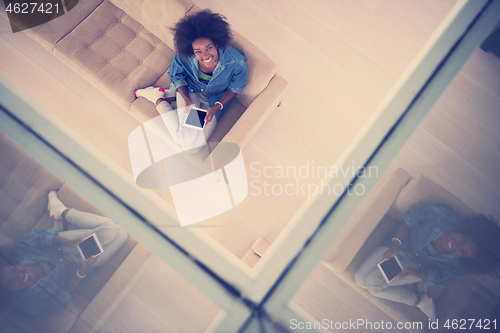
(188, 107)
(86, 264)
(393, 250)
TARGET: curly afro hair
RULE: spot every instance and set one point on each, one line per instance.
(204, 24)
(485, 232)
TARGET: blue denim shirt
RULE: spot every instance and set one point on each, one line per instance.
(229, 74)
(427, 223)
(48, 294)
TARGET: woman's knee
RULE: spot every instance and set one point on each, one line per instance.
(374, 285)
(107, 231)
(359, 279)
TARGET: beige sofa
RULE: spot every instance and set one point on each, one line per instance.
(470, 297)
(24, 185)
(122, 45)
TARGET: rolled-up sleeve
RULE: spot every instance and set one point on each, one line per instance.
(37, 237)
(177, 73)
(441, 277)
(49, 294)
(428, 214)
(239, 77)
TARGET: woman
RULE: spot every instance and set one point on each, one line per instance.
(41, 270)
(206, 72)
(433, 246)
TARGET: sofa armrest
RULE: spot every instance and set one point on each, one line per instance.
(110, 296)
(352, 239)
(257, 113)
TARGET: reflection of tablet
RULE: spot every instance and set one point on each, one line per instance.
(390, 268)
(196, 118)
(90, 247)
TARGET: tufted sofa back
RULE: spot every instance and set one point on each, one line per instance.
(24, 185)
(157, 16)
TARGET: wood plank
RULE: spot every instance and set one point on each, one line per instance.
(430, 10)
(484, 158)
(277, 8)
(321, 148)
(317, 300)
(213, 5)
(483, 69)
(369, 100)
(281, 207)
(406, 20)
(125, 319)
(348, 295)
(262, 23)
(371, 74)
(373, 4)
(461, 88)
(374, 23)
(446, 159)
(230, 232)
(275, 231)
(486, 107)
(463, 115)
(446, 130)
(312, 114)
(254, 217)
(306, 27)
(436, 165)
(366, 43)
(177, 303)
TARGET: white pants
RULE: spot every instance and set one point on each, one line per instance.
(110, 235)
(191, 139)
(369, 277)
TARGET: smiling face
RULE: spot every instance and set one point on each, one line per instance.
(206, 52)
(457, 244)
(13, 277)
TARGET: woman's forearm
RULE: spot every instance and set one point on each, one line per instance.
(421, 273)
(184, 93)
(227, 97)
(402, 231)
(396, 241)
(58, 240)
(73, 284)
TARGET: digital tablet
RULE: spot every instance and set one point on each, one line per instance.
(196, 118)
(90, 247)
(390, 268)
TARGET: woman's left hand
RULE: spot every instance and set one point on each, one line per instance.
(75, 242)
(405, 272)
(210, 113)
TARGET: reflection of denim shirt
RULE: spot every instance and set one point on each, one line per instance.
(48, 294)
(427, 223)
(229, 74)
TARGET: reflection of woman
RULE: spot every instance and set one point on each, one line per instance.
(435, 247)
(206, 72)
(41, 270)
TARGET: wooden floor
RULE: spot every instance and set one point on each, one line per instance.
(340, 58)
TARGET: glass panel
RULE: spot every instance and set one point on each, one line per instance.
(127, 287)
(451, 160)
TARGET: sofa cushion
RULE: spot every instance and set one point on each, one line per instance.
(115, 53)
(24, 185)
(368, 227)
(260, 69)
(158, 16)
(48, 34)
(421, 191)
